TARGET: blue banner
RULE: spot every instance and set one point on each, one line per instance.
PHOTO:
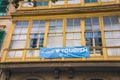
(65, 52)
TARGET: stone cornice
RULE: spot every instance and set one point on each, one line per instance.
(60, 64)
(6, 17)
(53, 11)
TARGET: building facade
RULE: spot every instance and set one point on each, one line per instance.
(66, 23)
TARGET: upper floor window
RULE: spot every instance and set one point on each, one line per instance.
(37, 34)
(42, 3)
(93, 35)
(107, 0)
(59, 2)
(90, 1)
(73, 1)
(55, 35)
(112, 34)
(19, 35)
(73, 32)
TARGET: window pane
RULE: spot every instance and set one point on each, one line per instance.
(38, 26)
(33, 53)
(112, 42)
(59, 2)
(73, 1)
(113, 51)
(17, 44)
(36, 40)
(45, 3)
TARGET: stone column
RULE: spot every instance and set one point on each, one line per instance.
(4, 74)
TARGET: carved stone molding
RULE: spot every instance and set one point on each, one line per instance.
(85, 9)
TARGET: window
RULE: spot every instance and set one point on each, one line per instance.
(2, 13)
(73, 34)
(55, 36)
(90, 1)
(37, 34)
(93, 35)
(112, 34)
(2, 34)
(14, 54)
(33, 53)
(19, 35)
(73, 1)
(43, 3)
(59, 2)
(107, 0)
(27, 4)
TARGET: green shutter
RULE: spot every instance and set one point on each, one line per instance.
(2, 34)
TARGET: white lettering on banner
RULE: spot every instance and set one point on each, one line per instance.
(74, 50)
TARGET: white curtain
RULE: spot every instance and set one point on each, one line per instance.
(113, 51)
(54, 40)
(73, 1)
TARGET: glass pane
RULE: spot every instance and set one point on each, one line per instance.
(112, 42)
(97, 34)
(88, 35)
(42, 3)
(77, 22)
(89, 41)
(11, 54)
(69, 22)
(96, 27)
(73, 1)
(95, 21)
(116, 34)
(17, 44)
(104, 0)
(69, 43)
(15, 37)
(18, 54)
(115, 27)
(77, 42)
(87, 1)
(42, 23)
(77, 35)
(33, 53)
(94, 1)
(69, 36)
(22, 37)
(59, 2)
(17, 30)
(88, 25)
(98, 42)
(108, 35)
(114, 20)
(113, 51)
(18, 24)
(106, 20)
(24, 30)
